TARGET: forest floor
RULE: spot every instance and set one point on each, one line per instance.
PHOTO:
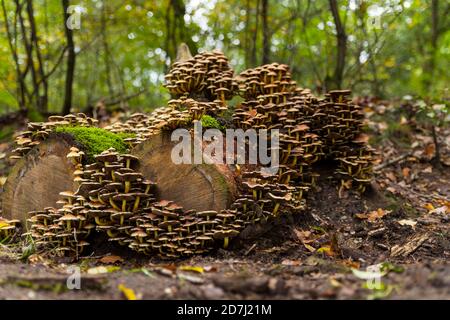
(401, 224)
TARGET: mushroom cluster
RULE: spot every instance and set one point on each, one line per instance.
(8, 230)
(338, 122)
(39, 131)
(310, 129)
(207, 76)
(65, 229)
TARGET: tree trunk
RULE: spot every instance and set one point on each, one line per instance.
(253, 56)
(42, 100)
(430, 63)
(266, 33)
(341, 37)
(70, 71)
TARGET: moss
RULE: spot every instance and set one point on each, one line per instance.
(210, 122)
(96, 140)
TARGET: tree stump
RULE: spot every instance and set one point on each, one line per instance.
(194, 186)
(36, 180)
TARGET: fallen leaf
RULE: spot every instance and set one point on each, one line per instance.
(407, 222)
(190, 278)
(192, 269)
(440, 210)
(210, 269)
(429, 206)
(373, 215)
(428, 169)
(327, 250)
(3, 181)
(303, 235)
(429, 150)
(351, 264)
(127, 292)
(287, 262)
(2, 155)
(406, 172)
(335, 283)
(110, 259)
(391, 176)
(102, 269)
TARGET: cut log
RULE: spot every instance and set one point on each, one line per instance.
(193, 186)
(37, 179)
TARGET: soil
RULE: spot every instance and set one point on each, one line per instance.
(402, 222)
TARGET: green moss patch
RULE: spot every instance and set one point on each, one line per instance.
(210, 122)
(96, 140)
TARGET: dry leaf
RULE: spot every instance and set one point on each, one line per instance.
(287, 262)
(327, 250)
(391, 176)
(192, 269)
(110, 259)
(373, 215)
(429, 206)
(429, 150)
(406, 172)
(407, 222)
(440, 210)
(3, 181)
(210, 269)
(428, 169)
(127, 292)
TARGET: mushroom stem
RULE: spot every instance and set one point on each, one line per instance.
(136, 204)
(275, 209)
(226, 242)
(113, 204)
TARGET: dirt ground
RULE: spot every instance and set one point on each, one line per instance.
(402, 222)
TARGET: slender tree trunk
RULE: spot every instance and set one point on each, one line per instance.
(70, 71)
(30, 60)
(106, 52)
(255, 37)
(247, 48)
(13, 47)
(430, 63)
(42, 100)
(341, 45)
(266, 33)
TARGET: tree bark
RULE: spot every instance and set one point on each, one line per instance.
(71, 57)
(253, 56)
(42, 100)
(266, 32)
(341, 37)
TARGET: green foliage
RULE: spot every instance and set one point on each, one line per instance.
(96, 140)
(125, 47)
(210, 122)
(6, 132)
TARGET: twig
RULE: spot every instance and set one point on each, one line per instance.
(250, 250)
(391, 162)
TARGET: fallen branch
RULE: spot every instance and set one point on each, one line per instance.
(391, 162)
(410, 246)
